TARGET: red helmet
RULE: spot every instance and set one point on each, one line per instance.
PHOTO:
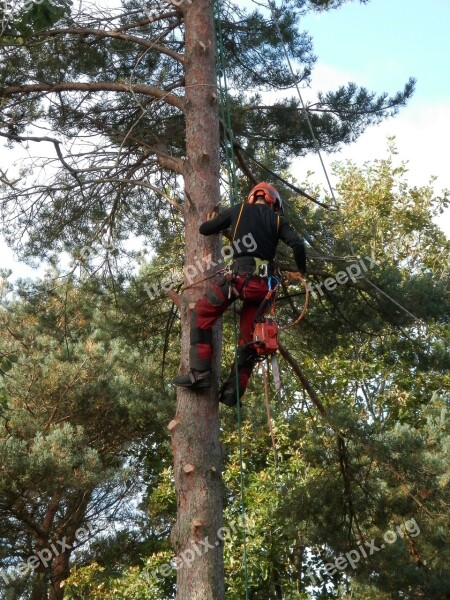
(268, 193)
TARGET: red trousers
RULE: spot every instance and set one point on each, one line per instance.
(252, 290)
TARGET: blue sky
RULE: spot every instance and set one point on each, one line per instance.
(380, 45)
(387, 41)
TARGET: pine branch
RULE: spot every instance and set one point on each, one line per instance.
(116, 35)
(94, 86)
(148, 20)
(304, 381)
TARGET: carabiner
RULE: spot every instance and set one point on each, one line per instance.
(269, 282)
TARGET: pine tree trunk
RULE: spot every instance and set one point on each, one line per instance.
(60, 572)
(195, 429)
(49, 586)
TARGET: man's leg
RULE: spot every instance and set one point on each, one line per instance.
(254, 292)
(205, 313)
(246, 359)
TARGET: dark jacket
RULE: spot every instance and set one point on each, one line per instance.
(265, 227)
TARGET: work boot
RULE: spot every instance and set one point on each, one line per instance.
(194, 379)
(228, 395)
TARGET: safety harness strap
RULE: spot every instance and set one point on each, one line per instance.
(237, 222)
(252, 265)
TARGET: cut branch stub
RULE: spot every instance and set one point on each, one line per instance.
(175, 298)
(173, 423)
(188, 468)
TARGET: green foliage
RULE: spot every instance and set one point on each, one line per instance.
(23, 21)
(89, 582)
(84, 360)
(377, 460)
(131, 130)
(79, 406)
(6, 364)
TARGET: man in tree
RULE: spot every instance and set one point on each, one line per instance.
(260, 222)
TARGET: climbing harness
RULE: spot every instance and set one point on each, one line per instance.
(253, 266)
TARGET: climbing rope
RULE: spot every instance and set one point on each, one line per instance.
(283, 180)
(225, 110)
(304, 309)
(225, 107)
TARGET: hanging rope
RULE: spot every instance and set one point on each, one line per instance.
(225, 107)
(265, 370)
(284, 181)
(304, 309)
(225, 110)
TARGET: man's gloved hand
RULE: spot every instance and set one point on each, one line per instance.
(300, 257)
(293, 277)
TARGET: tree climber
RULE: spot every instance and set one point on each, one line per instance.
(261, 220)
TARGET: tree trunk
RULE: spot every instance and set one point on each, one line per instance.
(60, 572)
(195, 429)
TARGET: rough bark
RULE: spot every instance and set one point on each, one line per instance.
(195, 429)
(60, 572)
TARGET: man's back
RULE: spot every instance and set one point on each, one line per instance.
(264, 225)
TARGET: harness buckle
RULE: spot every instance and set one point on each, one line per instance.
(230, 275)
(228, 271)
(263, 270)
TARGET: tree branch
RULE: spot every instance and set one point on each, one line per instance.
(32, 138)
(113, 34)
(165, 160)
(104, 86)
(152, 19)
(305, 383)
(143, 184)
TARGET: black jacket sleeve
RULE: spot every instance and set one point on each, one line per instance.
(289, 237)
(219, 223)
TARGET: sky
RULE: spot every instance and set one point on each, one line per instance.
(379, 45)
